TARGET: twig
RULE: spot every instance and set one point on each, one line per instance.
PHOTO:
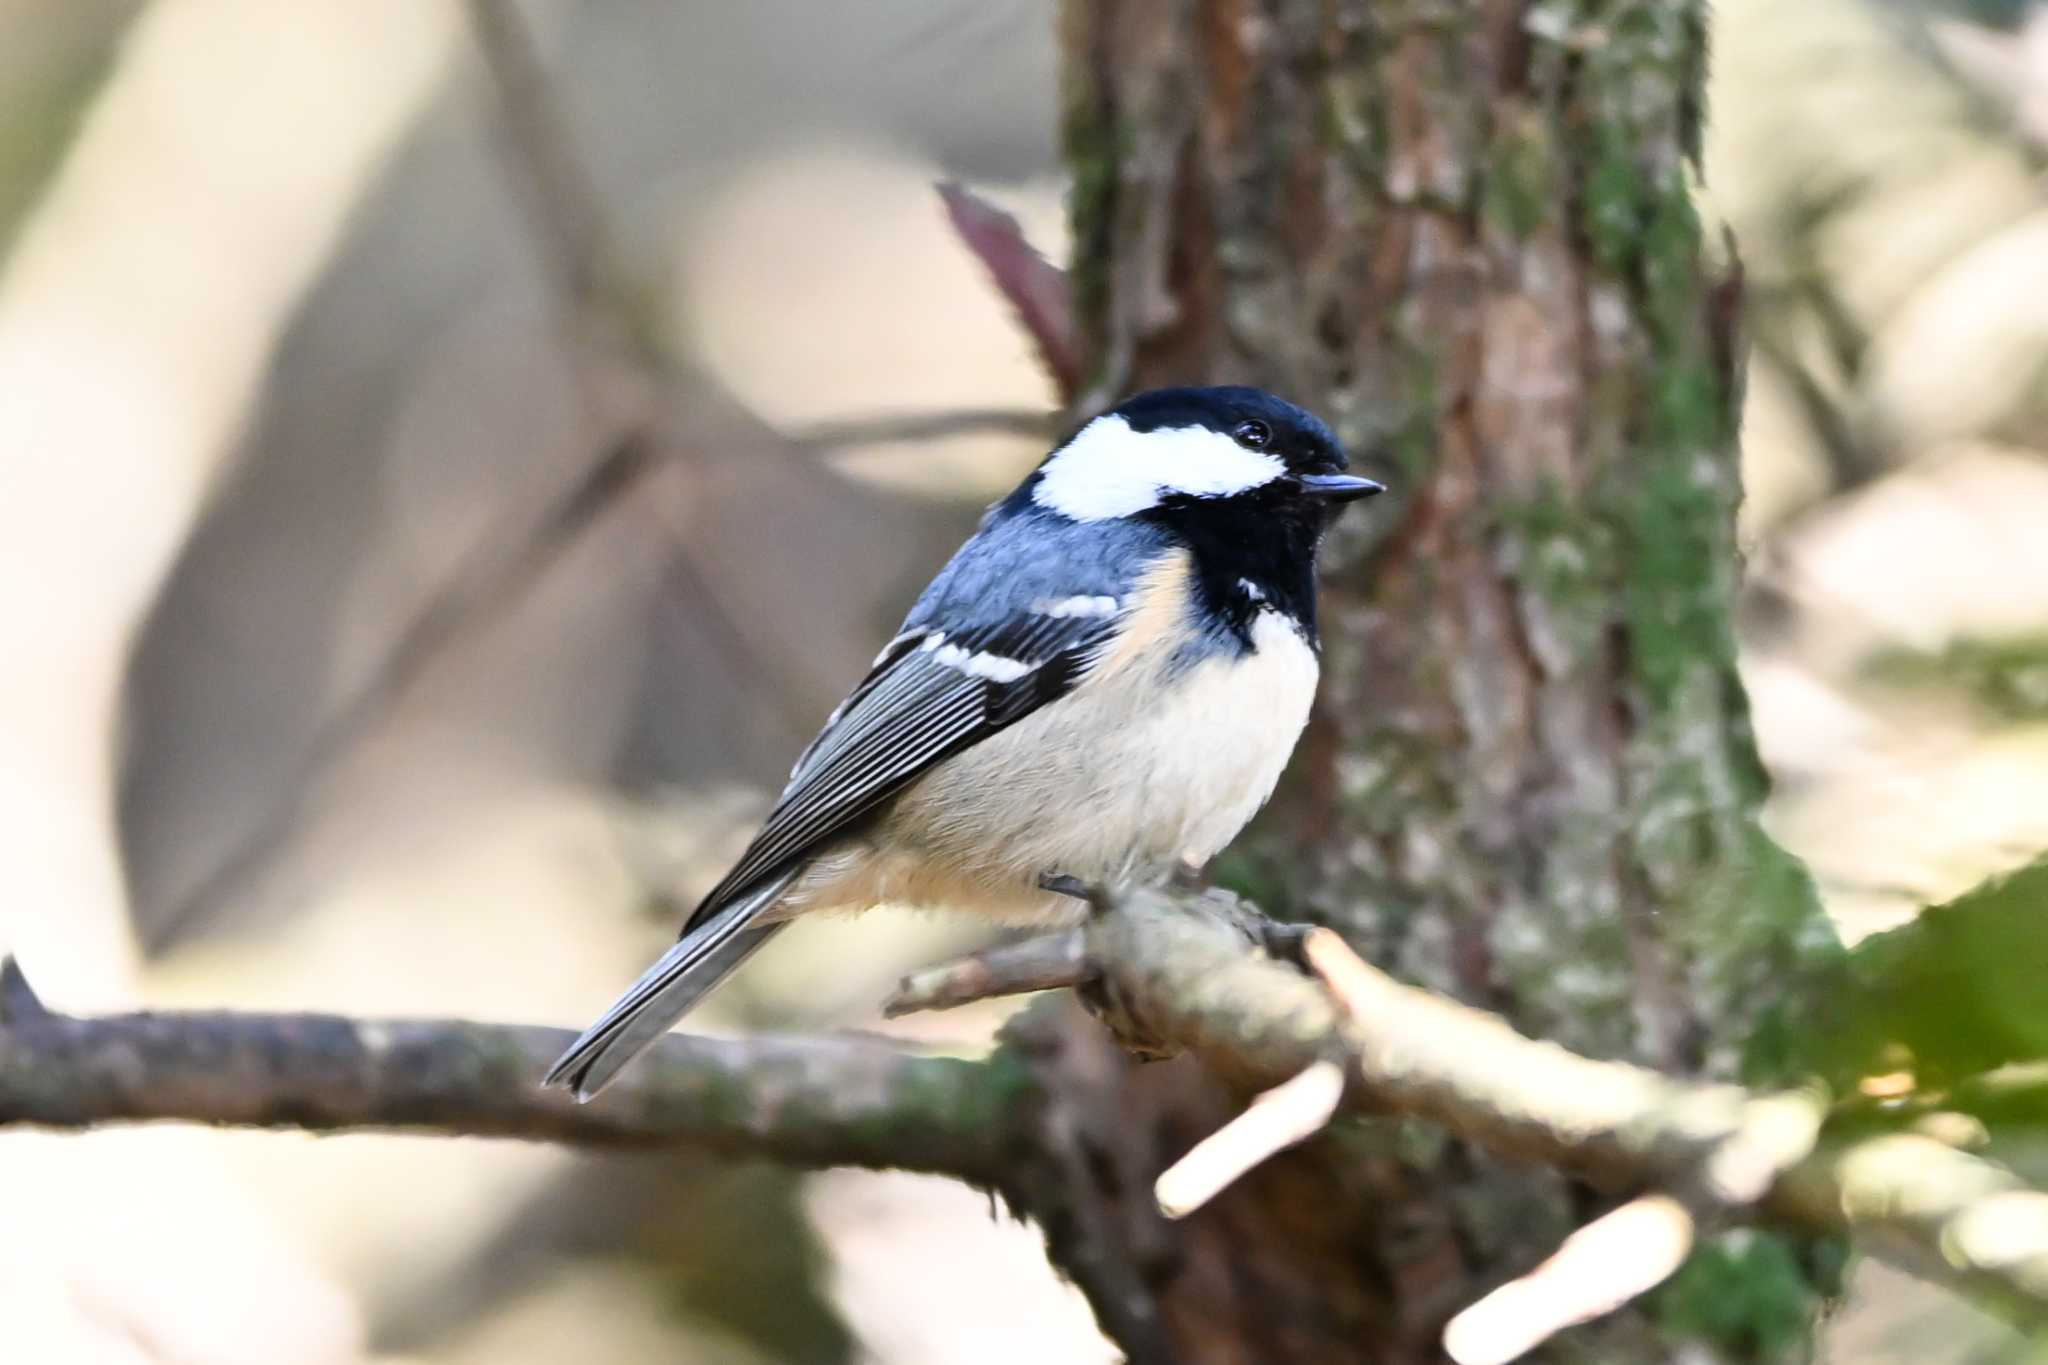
(1041, 963)
(1292, 1111)
(1598, 1269)
(560, 193)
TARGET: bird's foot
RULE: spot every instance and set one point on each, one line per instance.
(1066, 884)
(1098, 897)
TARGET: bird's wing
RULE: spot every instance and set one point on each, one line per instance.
(931, 693)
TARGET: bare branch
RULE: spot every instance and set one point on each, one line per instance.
(1192, 971)
(1182, 972)
(559, 191)
(807, 1101)
(1041, 963)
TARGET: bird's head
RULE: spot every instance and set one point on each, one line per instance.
(1200, 451)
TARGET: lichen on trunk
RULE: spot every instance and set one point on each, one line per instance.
(1465, 233)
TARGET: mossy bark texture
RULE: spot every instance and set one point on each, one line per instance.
(1463, 233)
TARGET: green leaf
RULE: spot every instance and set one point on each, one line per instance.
(1961, 990)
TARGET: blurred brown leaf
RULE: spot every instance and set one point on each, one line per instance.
(1034, 286)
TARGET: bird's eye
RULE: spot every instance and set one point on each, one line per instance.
(1255, 434)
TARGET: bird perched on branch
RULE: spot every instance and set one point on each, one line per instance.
(1102, 684)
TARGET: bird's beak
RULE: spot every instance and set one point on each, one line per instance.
(1338, 487)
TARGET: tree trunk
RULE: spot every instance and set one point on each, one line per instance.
(1462, 232)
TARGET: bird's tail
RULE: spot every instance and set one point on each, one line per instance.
(685, 974)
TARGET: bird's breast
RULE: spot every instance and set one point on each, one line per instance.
(1160, 754)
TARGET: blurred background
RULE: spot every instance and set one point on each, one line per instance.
(449, 466)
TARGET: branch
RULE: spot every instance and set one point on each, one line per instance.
(1181, 972)
(810, 1102)
(1198, 974)
(1044, 963)
(563, 200)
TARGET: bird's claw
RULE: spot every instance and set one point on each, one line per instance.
(1065, 884)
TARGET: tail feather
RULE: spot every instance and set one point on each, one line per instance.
(685, 974)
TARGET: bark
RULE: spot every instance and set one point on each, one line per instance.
(1463, 234)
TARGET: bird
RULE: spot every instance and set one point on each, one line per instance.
(1099, 689)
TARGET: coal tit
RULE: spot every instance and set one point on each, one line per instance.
(1104, 682)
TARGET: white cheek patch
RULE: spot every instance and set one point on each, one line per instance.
(1108, 470)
